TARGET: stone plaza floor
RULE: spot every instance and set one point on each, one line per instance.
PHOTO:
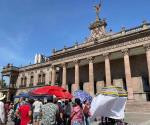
(134, 118)
(137, 118)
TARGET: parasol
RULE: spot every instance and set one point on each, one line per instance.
(59, 92)
(83, 96)
(25, 95)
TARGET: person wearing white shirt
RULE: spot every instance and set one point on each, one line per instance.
(37, 105)
(2, 109)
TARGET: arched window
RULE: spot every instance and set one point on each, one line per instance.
(39, 78)
(31, 80)
(25, 81)
(43, 78)
(21, 81)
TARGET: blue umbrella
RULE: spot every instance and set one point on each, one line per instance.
(83, 96)
(25, 95)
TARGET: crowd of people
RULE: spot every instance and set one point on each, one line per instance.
(39, 112)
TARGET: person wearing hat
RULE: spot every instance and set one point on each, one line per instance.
(2, 109)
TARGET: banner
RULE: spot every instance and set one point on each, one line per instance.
(108, 106)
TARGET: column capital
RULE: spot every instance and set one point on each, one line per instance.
(125, 51)
(147, 47)
(106, 55)
(53, 66)
(90, 59)
(63, 64)
(76, 61)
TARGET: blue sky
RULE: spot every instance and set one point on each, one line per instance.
(28, 27)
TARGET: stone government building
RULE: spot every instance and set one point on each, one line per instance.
(103, 59)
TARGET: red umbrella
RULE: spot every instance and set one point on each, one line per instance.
(63, 95)
(59, 92)
(46, 90)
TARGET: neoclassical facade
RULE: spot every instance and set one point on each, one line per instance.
(103, 59)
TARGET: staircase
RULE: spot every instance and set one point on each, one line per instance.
(137, 106)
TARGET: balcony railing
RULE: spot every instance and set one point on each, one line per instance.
(22, 85)
(41, 83)
(4, 86)
(31, 85)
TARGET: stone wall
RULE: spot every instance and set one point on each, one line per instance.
(70, 75)
(139, 66)
(35, 73)
(99, 71)
(139, 74)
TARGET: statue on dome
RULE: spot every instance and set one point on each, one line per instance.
(97, 9)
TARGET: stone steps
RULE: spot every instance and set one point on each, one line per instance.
(137, 106)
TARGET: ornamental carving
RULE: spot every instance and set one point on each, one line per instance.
(63, 64)
(125, 51)
(147, 46)
(109, 49)
(76, 61)
(106, 55)
(90, 59)
(53, 66)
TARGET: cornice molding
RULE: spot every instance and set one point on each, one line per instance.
(109, 49)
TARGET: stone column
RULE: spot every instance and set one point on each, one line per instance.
(53, 75)
(75, 86)
(147, 47)
(64, 76)
(50, 75)
(107, 69)
(28, 79)
(10, 79)
(77, 72)
(128, 74)
(8, 95)
(47, 77)
(35, 76)
(1, 85)
(91, 76)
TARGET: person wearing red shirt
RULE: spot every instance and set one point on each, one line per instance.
(24, 112)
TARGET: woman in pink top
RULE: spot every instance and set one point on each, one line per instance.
(77, 117)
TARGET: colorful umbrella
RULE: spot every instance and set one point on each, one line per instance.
(46, 90)
(59, 92)
(25, 95)
(83, 96)
(63, 95)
